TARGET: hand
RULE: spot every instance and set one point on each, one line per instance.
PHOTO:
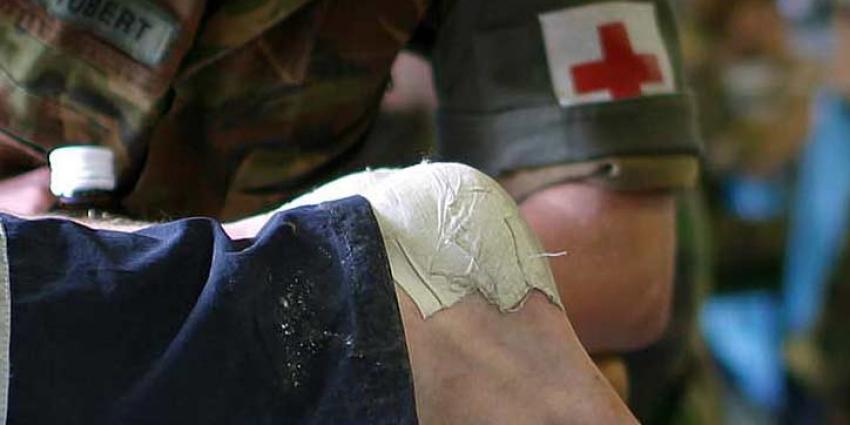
(27, 194)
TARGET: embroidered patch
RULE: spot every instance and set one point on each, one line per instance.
(605, 52)
(139, 28)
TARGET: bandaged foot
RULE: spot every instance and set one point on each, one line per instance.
(449, 231)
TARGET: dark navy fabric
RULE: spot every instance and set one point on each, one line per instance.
(178, 323)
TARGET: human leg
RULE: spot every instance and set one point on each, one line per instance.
(476, 357)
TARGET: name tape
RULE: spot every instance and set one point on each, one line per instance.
(139, 28)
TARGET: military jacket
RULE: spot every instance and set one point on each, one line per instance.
(225, 107)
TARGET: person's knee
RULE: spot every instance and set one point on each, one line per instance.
(450, 230)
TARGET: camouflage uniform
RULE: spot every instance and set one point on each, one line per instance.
(259, 99)
(249, 97)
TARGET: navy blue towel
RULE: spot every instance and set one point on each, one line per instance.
(179, 324)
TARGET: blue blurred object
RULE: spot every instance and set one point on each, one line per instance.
(756, 198)
(819, 218)
(743, 333)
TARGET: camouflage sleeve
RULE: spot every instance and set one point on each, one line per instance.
(542, 91)
(212, 108)
(86, 72)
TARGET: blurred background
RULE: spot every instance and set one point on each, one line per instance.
(761, 330)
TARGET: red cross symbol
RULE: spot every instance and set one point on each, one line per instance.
(621, 72)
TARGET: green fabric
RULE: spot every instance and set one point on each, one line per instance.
(672, 380)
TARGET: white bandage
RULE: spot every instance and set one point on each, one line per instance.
(449, 231)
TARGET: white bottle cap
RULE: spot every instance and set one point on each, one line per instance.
(81, 168)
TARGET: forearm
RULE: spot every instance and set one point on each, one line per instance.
(616, 277)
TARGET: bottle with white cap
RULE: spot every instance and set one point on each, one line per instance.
(82, 177)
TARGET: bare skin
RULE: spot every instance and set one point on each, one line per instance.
(474, 365)
(28, 193)
(616, 279)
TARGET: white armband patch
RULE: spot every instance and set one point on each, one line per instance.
(606, 51)
(5, 326)
(449, 231)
